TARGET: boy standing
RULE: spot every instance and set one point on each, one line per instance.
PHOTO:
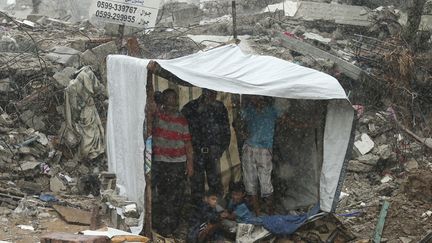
(172, 160)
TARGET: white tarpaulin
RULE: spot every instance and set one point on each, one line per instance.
(225, 69)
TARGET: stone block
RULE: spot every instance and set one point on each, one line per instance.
(65, 56)
(72, 238)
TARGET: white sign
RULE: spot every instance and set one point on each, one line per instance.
(135, 13)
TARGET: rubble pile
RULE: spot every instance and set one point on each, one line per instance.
(388, 164)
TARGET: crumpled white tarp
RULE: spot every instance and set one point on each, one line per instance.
(83, 124)
(225, 69)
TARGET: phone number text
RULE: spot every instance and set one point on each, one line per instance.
(116, 7)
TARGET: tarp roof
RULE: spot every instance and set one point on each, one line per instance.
(228, 69)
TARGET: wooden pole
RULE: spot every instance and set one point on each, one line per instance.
(234, 17)
(147, 229)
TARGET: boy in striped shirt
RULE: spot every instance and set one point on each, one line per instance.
(172, 162)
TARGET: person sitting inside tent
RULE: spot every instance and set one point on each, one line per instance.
(260, 117)
(238, 210)
(205, 224)
(172, 156)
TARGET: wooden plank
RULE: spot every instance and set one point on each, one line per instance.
(381, 222)
(73, 215)
(306, 49)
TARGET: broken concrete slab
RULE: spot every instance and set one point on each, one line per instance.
(364, 145)
(339, 13)
(73, 215)
(34, 17)
(73, 238)
(369, 159)
(64, 76)
(65, 56)
(306, 49)
(411, 165)
(357, 166)
(57, 184)
(384, 151)
(5, 85)
(97, 55)
(131, 211)
(31, 120)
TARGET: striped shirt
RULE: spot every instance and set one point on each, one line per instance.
(170, 133)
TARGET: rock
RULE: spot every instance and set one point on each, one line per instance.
(384, 151)
(29, 118)
(369, 159)
(4, 220)
(5, 120)
(89, 184)
(5, 85)
(44, 215)
(83, 170)
(405, 239)
(29, 187)
(96, 56)
(65, 56)
(64, 76)
(34, 17)
(131, 222)
(357, 166)
(30, 165)
(5, 211)
(57, 185)
(386, 179)
(411, 165)
(131, 211)
(70, 165)
(364, 145)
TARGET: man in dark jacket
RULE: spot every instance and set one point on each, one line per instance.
(210, 130)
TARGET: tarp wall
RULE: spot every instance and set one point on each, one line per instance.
(225, 69)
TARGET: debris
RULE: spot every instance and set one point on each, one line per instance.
(357, 166)
(364, 145)
(339, 13)
(5, 85)
(405, 239)
(369, 159)
(386, 179)
(427, 214)
(427, 238)
(411, 165)
(27, 208)
(57, 184)
(64, 76)
(419, 186)
(44, 215)
(65, 56)
(73, 238)
(381, 222)
(116, 235)
(82, 117)
(48, 198)
(306, 49)
(131, 211)
(73, 215)
(108, 180)
(26, 227)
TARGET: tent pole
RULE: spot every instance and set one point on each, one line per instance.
(234, 17)
(147, 229)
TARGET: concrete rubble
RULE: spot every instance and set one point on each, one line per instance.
(43, 150)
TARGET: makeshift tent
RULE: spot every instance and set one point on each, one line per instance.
(226, 69)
